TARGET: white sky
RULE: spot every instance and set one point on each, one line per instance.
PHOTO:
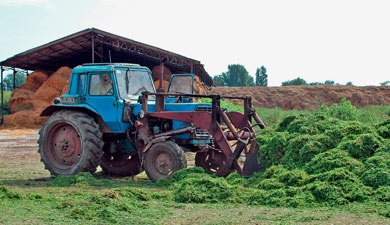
(339, 40)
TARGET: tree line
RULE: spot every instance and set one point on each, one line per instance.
(237, 75)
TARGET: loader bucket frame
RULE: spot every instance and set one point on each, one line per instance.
(237, 127)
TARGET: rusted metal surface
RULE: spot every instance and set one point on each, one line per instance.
(160, 100)
(175, 132)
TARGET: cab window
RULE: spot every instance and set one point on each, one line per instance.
(101, 84)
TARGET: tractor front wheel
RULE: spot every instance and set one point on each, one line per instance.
(70, 142)
(162, 159)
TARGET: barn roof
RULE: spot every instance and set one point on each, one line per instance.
(94, 45)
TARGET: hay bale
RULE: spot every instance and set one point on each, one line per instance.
(161, 69)
(65, 88)
(53, 87)
(164, 84)
(40, 105)
(27, 87)
(36, 79)
(29, 100)
(20, 100)
(199, 87)
(22, 119)
(46, 93)
(60, 78)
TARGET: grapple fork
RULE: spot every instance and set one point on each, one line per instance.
(241, 132)
(233, 133)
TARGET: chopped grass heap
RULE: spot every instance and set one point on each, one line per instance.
(327, 158)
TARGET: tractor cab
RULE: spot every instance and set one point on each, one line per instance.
(105, 90)
(181, 84)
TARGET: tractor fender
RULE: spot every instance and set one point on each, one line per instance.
(54, 108)
(151, 143)
(154, 141)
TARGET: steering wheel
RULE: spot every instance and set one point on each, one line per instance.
(179, 99)
(109, 92)
(143, 88)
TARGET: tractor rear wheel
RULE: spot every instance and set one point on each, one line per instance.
(70, 142)
(162, 159)
(213, 162)
(121, 164)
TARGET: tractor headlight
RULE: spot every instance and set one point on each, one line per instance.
(141, 114)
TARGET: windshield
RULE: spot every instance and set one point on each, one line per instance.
(131, 83)
(181, 84)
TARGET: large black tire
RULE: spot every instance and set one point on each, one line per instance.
(162, 159)
(121, 164)
(70, 142)
(213, 162)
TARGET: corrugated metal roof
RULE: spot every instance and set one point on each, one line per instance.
(94, 45)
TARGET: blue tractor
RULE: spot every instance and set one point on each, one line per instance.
(113, 117)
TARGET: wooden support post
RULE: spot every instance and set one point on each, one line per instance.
(2, 97)
(14, 84)
(93, 47)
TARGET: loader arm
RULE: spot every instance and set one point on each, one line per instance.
(201, 120)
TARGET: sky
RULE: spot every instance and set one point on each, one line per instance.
(316, 40)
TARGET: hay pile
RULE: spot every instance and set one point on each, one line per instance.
(161, 69)
(28, 101)
(308, 97)
(199, 87)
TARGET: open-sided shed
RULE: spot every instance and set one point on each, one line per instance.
(94, 45)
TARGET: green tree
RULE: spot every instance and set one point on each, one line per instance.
(20, 78)
(251, 81)
(261, 76)
(386, 83)
(219, 80)
(329, 82)
(315, 83)
(296, 81)
(236, 75)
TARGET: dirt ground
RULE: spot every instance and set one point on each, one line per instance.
(19, 141)
(19, 157)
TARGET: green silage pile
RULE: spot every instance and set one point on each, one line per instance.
(326, 158)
